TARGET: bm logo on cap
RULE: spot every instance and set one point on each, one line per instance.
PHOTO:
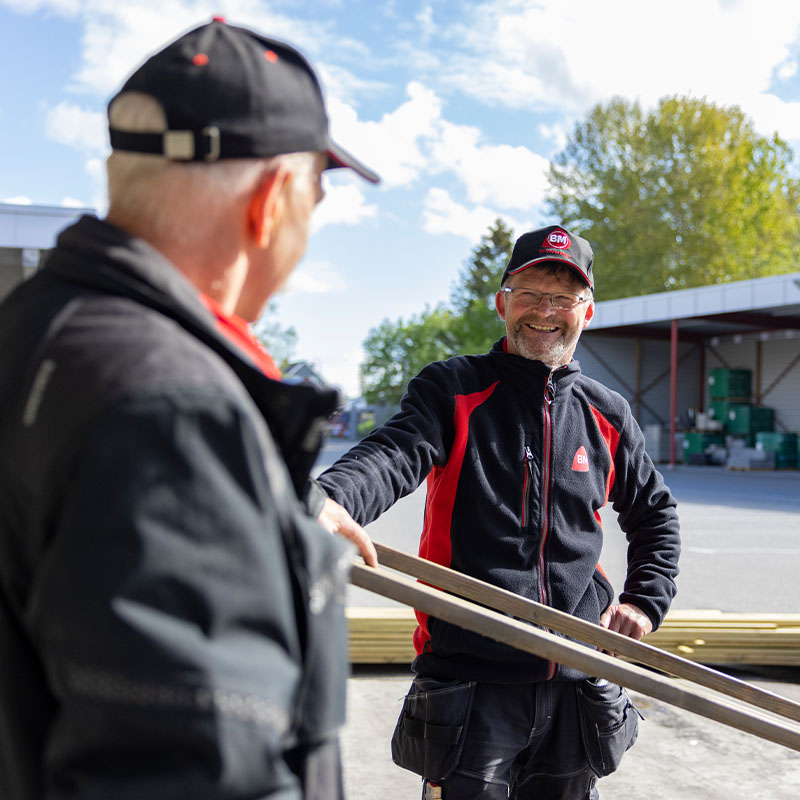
(558, 239)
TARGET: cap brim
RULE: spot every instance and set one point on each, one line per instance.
(338, 158)
(575, 268)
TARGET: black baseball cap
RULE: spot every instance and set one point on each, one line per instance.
(555, 244)
(229, 92)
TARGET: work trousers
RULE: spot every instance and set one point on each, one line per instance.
(538, 741)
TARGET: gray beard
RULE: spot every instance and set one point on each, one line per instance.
(557, 354)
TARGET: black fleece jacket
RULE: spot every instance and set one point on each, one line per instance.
(519, 461)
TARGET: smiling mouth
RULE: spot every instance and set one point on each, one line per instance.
(545, 328)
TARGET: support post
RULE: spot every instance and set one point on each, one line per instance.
(637, 396)
(757, 376)
(673, 389)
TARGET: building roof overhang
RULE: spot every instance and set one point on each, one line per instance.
(748, 308)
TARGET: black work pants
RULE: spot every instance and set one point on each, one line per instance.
(539, 741)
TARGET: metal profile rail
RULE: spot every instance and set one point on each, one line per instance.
(757, 716)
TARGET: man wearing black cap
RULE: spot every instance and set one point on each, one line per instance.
(171, 623)
(520, 451)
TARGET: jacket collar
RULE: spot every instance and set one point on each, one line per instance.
(526, 373)
(104, 257)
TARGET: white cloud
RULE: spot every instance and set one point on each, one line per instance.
(118, 36)
(18, 200)
(773, 114)
(424, 18)
(415, 139)
(344, 204)
(78, 127)
(315, 277)
(558, 56)
(67, 8)
(442, 214)
(509, 177)
(786, 70)
(72, 202)
(393, 145)
(340, 83)
(556, 133)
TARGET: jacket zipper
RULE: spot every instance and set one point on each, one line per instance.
(527, 480)
(549, 395)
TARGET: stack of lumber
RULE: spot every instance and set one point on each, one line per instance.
(714, 637)
(383, 636)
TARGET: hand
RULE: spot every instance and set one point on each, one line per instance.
(335, 519)
(627, 619)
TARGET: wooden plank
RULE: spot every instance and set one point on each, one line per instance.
(383, 636)
(542, 643)
(610, 641)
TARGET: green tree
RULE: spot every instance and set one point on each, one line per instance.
(685, 195)
(397, 351)
(476, 325)
(280, 341)
(479, 278)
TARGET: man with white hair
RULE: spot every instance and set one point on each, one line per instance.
(171, 620)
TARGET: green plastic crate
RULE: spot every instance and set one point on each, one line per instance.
(744, 418)
(784, 445)
(696, 442)
(718, 409)
(727, 383)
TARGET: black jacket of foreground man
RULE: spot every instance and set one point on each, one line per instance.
(171, 621)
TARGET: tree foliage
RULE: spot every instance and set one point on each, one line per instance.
(396, 351)
(480, 276)
(280, 341)
(685, 195)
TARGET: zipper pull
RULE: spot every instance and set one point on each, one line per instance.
(528, 455)
(549, 390)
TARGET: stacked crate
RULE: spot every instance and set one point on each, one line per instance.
(784, 445)
(729, 391)
(695, 444)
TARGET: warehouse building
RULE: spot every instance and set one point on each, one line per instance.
(27, 232)
(687, 360)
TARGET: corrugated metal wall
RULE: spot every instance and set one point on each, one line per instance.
(613, 362)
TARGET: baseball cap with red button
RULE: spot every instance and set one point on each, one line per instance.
(229, 92)
(554, 244)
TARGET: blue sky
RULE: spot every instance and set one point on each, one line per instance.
(459, 106)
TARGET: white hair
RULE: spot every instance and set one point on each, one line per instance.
(173, 201)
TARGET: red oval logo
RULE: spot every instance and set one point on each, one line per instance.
(558, 239)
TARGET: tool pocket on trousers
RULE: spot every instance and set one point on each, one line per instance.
(609, 723)
(429, 735)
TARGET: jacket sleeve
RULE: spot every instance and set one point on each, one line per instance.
(393, 460)
(167, 612)
(648, 516)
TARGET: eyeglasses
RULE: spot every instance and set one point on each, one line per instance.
(529, 297)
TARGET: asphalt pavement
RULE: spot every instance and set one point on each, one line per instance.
(678, 755)
(741, 552)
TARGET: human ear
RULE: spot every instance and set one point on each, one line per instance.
(500, 304)
(263, 209)
(589, 313)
